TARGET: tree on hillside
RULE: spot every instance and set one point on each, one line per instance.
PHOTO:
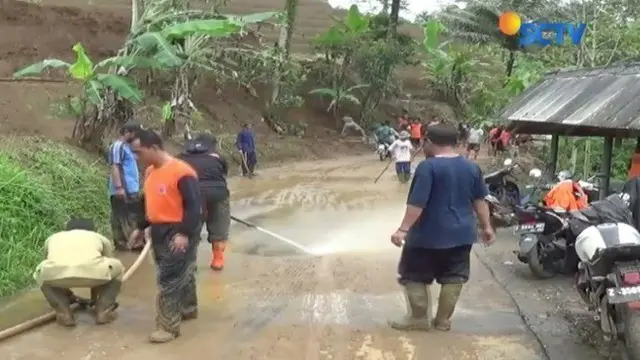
(479, 24)
(393, 19)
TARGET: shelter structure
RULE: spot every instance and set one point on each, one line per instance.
(603, 102)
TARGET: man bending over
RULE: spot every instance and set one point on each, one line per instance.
(76, 258)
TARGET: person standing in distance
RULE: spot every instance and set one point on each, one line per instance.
(173, 207)
(246, 144)
(438, 230)
(124, 186)
(473, 142)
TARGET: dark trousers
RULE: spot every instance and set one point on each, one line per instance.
(217, 217)
(125, 212)
(175, 277)
(445, 266)
(250, 159)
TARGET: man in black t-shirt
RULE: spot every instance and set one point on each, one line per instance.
(200, 153)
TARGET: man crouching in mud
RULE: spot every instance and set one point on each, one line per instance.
(75, 258)
(173, 210)
(212, 171)
(438, 230)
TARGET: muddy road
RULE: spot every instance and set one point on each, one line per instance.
(274, 302)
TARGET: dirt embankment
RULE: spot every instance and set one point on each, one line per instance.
(35, 32)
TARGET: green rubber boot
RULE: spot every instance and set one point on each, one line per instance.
(449, 295)
(418, 317)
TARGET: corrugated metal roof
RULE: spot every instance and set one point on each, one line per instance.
(598, 102)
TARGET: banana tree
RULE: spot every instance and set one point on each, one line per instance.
(339, 96)
(94, 114)
(187, 47)
(340, 44)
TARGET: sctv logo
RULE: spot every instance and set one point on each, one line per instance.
(537, 33)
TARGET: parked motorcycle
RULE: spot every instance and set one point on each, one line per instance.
(504, 194)
(608, 276)
(542, 241)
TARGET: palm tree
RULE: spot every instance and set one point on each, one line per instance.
(479, 24)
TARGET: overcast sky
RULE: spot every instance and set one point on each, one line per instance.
(415, 6)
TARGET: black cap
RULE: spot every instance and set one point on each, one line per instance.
(201, 143)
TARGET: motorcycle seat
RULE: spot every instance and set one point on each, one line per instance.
(493, 174)
(605, 258)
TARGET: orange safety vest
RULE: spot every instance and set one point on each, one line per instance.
(563, 196)
(416, 131)
(634, 170)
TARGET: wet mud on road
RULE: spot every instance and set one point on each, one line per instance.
(275, 302)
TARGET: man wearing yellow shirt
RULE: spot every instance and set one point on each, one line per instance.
(79, 258)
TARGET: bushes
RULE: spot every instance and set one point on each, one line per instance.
(42, 185)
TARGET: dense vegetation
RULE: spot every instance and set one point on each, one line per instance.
(483, 69)
(43, 185)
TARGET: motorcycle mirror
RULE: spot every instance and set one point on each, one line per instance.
(508, 162)
(535, 173)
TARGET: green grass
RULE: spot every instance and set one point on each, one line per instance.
(42, 185)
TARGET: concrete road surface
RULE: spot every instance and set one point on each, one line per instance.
(274, 302)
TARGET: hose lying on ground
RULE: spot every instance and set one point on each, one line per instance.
(279, 237)
(41, 320)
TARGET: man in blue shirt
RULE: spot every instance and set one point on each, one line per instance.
(438, 229)
(246, 144)
(124, 186)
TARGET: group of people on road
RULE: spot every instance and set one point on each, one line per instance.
(177, 196)
(180, 193)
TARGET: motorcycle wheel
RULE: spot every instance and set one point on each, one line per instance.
(537, 269)
(630, 347)
(381, 157)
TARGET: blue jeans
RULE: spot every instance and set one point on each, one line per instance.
(403, 167)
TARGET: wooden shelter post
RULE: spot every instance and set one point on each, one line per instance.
(553, 152)
(605, 168)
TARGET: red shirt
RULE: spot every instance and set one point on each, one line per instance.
(505, 137)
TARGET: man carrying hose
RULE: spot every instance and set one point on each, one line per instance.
(246, 144)
(75, 258)
(173, 211)
(212, 172)
(438, 230)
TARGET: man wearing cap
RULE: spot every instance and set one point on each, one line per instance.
(124, 186)
(401, 151)
(212, 170)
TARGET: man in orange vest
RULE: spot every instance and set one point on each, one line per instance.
(567, 194)
(634, 164)
(416, 133)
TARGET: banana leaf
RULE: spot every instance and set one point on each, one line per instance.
(37, 68)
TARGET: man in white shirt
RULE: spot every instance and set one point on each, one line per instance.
(473, 142)
(401, 152)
